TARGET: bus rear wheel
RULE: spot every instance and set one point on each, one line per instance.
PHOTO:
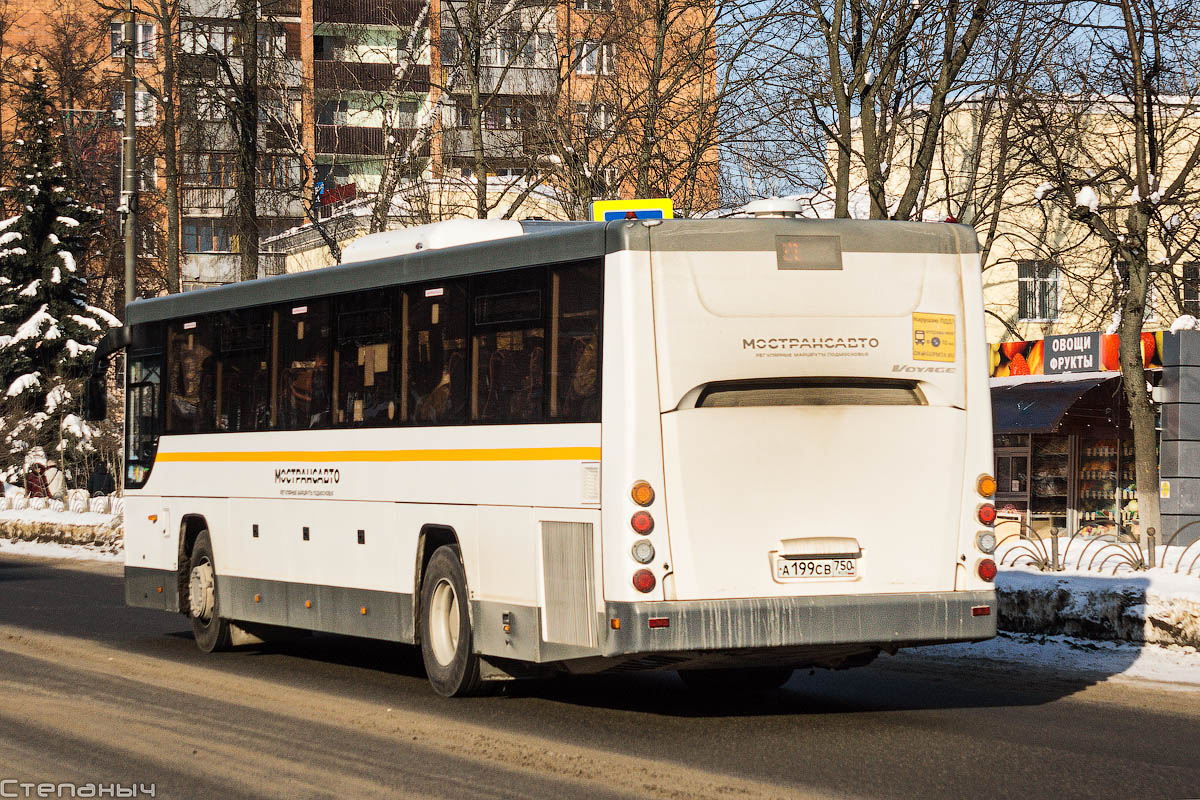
(210, 630)
(447, 645)
(745, 680)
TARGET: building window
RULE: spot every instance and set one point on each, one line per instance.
(272, 40)
(1191, 288)
(147, 109)
(145, 39)
(450, 46)
(612, 181)
(208, 169)
(593, 5)
(332, 112)
(200, 37)
(1037, 290)
(277, 171)
(593, 119)
(593, 58)
(503, 114)
(206, 236)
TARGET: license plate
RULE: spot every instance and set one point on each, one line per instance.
(794, 569)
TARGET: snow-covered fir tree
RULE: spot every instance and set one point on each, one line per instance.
(48, 330)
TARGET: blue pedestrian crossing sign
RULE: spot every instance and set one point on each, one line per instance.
(645, 208)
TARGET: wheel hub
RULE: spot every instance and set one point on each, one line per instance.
(444, 623)
(201, 596)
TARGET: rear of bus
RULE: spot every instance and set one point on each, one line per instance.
(797, 441)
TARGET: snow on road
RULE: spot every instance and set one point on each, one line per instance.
(1174, 667)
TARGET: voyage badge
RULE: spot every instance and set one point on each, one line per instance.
(933, 337)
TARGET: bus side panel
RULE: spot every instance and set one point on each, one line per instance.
(151, 553)
(631, 432)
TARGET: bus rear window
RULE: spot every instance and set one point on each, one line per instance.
(811, 392)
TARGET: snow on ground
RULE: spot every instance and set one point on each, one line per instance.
(1171, 579)
(114, 553)
(1066, 655)
(61, 517)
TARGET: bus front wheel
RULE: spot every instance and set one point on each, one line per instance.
(211, 632)
(446, 642)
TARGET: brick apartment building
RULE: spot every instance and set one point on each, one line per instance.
(406, 94)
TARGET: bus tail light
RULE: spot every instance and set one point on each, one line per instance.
(987, 570)
(643, 580)
(642, 522)
(643, 551)
(986, 486)
(986, 542)
(986, 513)
(642, 493)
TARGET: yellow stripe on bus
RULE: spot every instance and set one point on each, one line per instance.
(489, 454)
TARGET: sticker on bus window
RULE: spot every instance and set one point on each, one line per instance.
(435, 292)
(933, 337)
(300, 310)
(187, 326)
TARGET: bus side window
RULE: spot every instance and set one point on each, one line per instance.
(191, 376)
(508, 347)
(575, 297)
(243, 370)
(364, 360)
(301, 342)
(435, 355)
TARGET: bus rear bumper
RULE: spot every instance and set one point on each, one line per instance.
(883, 620)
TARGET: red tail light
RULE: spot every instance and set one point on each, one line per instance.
(642, 522)
(987, 569)
(643, 580)
(987, 513)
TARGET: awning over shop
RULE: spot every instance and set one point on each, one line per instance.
(1036, 406)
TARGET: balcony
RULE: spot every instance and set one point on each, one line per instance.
(349, 140)
(367, 12)
(371, 77)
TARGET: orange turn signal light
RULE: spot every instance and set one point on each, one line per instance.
(642, 493)
(986, 486)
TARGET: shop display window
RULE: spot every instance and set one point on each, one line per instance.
(1049, 482)
(1097, 501)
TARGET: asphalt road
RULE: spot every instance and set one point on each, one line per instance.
(92, 691)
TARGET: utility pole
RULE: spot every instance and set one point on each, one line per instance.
(129, 173)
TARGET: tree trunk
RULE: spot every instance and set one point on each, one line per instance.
(167, 23)
(1141, 407)
(247, 144)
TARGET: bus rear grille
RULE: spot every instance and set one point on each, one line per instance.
(568, 583)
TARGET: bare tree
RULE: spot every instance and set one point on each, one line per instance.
(1116, 136)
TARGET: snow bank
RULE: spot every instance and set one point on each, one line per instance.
(45, 526)
(1157, 606)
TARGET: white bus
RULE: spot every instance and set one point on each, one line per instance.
(725, 447)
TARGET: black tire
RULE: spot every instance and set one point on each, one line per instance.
(210, 630)
(740, 681)
(448, 651)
